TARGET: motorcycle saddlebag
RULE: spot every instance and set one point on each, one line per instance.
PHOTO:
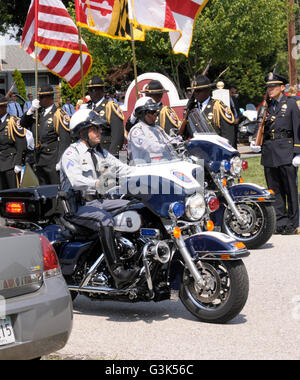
(29, 204)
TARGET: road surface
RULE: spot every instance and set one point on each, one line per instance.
(267, 328)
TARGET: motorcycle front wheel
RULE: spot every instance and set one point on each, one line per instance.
(260, 223)
(224, 294)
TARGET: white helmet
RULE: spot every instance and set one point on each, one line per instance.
(85, 118)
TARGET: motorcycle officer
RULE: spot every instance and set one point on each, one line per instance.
(85, 166)
(167, 118)
(147, 141)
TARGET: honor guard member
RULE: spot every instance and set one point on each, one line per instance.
(218, 115)
(13, 145)
(167, 118)
(113, 135)
(280, 152)
(52, 135)
(82, 168)
(148, 142)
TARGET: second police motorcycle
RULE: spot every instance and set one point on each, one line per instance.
(159, 231)
(246, 210)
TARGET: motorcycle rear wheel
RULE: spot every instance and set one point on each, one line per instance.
(261, 224)
(225, 293)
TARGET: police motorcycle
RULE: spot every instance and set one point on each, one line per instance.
(248, 125)
(246, 212)
(157, 231)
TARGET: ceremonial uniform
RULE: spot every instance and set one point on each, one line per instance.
(13, 145)
(281, 141)
(53, 137)
(217, 114)
(113, 136)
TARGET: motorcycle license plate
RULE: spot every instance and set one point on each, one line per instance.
(7, 335)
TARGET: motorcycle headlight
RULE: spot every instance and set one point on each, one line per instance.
(236, 166)
(195, 207)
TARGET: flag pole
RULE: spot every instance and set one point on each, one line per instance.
(36, 69)
(81, 63)
(134, 59)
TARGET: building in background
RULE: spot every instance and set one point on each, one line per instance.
(12, 57)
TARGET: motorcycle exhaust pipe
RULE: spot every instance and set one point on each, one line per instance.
(160, 252)
(102, 290)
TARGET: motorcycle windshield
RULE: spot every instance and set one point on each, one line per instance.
(199, 124)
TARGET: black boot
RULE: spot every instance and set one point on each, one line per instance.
(116, 269)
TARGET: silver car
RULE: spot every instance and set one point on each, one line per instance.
(35, 305)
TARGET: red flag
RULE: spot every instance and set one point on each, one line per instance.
(174, 16)
(50, 27)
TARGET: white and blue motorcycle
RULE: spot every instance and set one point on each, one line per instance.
(246, 210)
(158, 231)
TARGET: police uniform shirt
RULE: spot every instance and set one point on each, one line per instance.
(14, 109)
(282, 132)
(147, 143)
(204, 104)
(78, 171)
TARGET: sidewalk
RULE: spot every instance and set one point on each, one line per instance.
(246, 152)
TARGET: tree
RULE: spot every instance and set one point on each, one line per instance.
(14, 13)
(20, 84)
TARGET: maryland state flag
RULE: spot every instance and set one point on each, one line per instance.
(107, 18)
(177, 17)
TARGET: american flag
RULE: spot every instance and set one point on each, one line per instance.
(50, 27)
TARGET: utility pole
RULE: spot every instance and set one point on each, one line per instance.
(292, 45)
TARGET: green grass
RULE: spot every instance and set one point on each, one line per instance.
(255, 173)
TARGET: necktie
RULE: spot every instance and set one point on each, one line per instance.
(200, 106)
(95, 162)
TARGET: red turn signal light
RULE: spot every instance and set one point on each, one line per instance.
(213, 204)
(15, 208)
(244, 165)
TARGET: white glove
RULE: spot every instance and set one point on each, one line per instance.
(255, 148)
(18, 169)
(34, 106)
(296, 160)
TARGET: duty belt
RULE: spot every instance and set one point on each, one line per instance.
(278, 135)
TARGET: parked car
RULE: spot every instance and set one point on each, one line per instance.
(35, 304)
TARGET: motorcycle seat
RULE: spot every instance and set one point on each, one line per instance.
(78, 232)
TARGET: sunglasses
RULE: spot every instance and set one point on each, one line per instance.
(153, 112)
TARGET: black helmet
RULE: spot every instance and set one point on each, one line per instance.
(145, 104)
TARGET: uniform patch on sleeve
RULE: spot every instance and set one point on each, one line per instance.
(298, 104)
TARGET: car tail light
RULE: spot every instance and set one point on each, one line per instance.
(213, 204)
(51, 263)
(15, 208)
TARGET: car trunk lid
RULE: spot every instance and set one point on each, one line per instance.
(21, 262)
